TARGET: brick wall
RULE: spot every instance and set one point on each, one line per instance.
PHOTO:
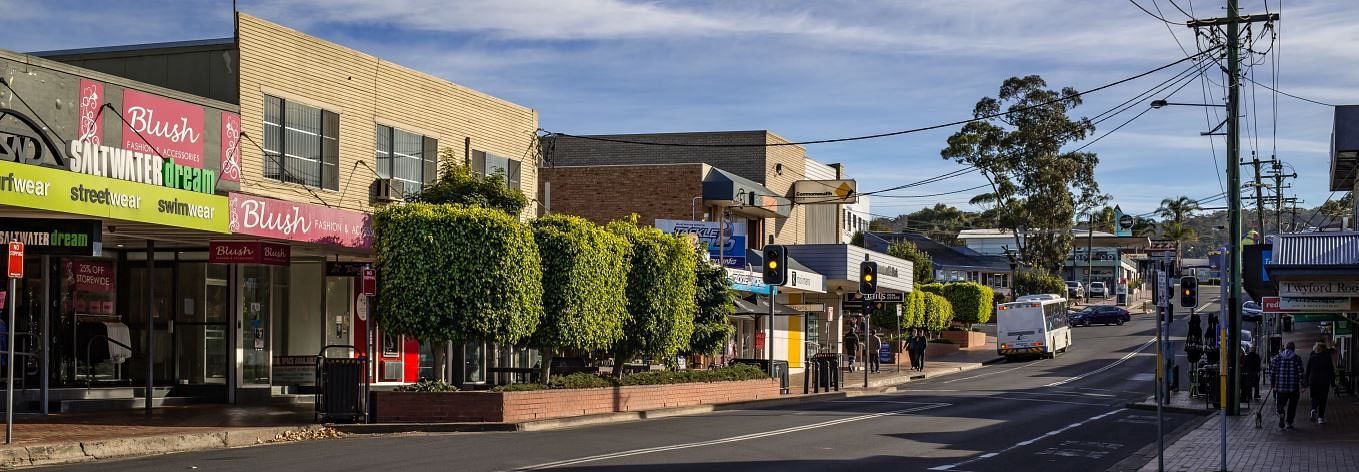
(512, 407)
(746, 162)
(605, 193)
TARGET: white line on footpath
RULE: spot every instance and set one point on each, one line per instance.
(650, 450)
(1030, 441)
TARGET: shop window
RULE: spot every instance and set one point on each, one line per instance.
(407, 157)
(391, 345)
(301, 144)
(485, 164)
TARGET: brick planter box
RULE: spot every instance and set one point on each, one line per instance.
(512, 407)
(939, 349)
(965, 339)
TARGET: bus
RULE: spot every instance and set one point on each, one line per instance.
(1033, 325)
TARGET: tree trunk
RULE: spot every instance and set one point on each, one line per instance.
(545, 376)
(441, 361)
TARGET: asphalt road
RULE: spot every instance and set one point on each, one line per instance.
(1051, 415)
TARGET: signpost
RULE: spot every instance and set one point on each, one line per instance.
(16, 272)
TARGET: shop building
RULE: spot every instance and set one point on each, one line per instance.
(952, 264)
(322, 134)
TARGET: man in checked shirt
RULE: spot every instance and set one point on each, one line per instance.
(1286, 376)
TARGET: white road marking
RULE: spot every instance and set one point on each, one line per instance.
(1107, 367)
(996, 372)
(746, 437)
(1030, 441)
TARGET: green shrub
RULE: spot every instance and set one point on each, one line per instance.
(938, 313)
(1037, 282)
(661, 290)
(524, 387)
(658, 377)
(428, 385)
(584, 303)
(972, 302)
(940, 341)
(582, 380)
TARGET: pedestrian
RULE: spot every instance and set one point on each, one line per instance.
(851, 347)
(1286, 377)
(1250, 369)
(910, 347)
(874, 345)
(1320, 374)
(920, 344)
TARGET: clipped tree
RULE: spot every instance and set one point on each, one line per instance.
(913, 313)
(921, 262)
(584, 271)
(457, 184)
(1038, 282)
(971, 301)
(661, 289)
(715, 302)
(938, 313)
(457, 273)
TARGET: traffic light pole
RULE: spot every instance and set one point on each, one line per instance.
(769, 341)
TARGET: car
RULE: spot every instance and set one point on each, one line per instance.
(1251, 311)
(1100, 314)
(1074, 289)
(1247, 340)
(1098, 289)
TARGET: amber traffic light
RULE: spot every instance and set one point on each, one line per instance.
(775, 265)
(868, 277)
(1189, 291)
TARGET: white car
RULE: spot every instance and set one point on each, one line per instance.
(1098, 289)
(1074, 289)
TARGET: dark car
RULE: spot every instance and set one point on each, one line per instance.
(1101, 314)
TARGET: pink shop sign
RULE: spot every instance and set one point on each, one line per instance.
(172, 127)
(301, 222)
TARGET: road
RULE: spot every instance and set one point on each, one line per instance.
(1065, 413)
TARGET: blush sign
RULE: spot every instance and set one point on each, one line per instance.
(249, 252)
(277, 219)
(89, 128)
(231, 147)
(157, 124)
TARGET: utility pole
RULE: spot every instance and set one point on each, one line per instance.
(1259, 200)
(1233, 22)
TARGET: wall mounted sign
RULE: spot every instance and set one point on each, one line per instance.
(732, 248)
(155, 123)
(278, 219)
(747, 281)
(249, 252)
(51, 189)
(806, 281)
(1319, 288)
(1314, 304)
(825, 192)
(145, 168)
(89, 127)
(54, 236)
(346, 269)
(231, 147)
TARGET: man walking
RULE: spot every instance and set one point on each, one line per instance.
(1320, 374)
(1286, 377)
(920, 344)
(871, 354)
(1250, 373)
(851, 347)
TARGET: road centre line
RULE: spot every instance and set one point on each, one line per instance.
(746, 437)
(1029, 441)
(996, 372)
(1107, 367)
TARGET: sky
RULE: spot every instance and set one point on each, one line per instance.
(821, 69)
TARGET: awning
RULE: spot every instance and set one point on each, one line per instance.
(727, 189)
(1319, 254)
(744, 307)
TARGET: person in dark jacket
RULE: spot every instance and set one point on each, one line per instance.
(1320, 374)
(872, 345)
(1287, 380)
(920, 344)
(851, 348)
(910, 347)
(1250, 372)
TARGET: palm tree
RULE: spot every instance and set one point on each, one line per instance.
(1144, 227)
(1179, 233)
(1176, 209)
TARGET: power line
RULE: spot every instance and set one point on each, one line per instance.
(1153, 15)
(893, 133)
(935, 194)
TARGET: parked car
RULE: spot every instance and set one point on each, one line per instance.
(1251, 311)
(1099, 289)
(1247, 340)
(1074, 289)
(1100, 314)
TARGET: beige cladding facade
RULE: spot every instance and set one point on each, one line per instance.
(762, 156)
(367, 91)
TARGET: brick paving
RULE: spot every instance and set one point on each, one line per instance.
(1333, 446)
(32, 430)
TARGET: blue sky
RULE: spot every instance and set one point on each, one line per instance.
(807, 70)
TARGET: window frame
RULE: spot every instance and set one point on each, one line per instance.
(327, 145)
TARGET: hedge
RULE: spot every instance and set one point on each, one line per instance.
(1037, 283)
(972, 302)
(457, 273)
(733, 373)
(584, 299)
(661, 288)
(938, 313)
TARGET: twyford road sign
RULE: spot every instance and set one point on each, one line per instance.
(16, 260)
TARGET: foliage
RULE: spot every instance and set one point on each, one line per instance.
(428, 385)
(940, 222)
(972, 302)
(661, 288)
(913, 313)
(733, 373)
(1106, 220)
(457, 184)
(457, 273)
(1177, 209)
(938, 312)
(1144, 227)
(1339, 208)
(584, 297)
(921, 262)
(857, 239)
(1038, 282)
(1036, 186)
(715, 302)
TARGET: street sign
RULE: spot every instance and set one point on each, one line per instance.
(875, 297)
(370, 281)
(1162, 292)
(16, 260)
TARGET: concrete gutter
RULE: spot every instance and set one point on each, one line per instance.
(103, 449)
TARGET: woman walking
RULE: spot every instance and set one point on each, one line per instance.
(1320, 374)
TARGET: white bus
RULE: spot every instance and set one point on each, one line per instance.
(1033, 325)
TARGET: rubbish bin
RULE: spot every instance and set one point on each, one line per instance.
(1288, 323)
(340, 386)
(1122, 299)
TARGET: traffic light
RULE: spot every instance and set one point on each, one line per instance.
(1189, 291)
(775, 265)
(868, 277)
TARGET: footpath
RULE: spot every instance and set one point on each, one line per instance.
(84, 437)
(1333, 446)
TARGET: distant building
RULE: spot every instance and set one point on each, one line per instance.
(951, 263)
